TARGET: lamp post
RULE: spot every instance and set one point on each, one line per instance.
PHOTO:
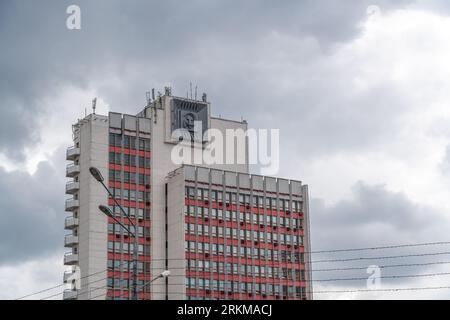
(163, 274)
(98, 176)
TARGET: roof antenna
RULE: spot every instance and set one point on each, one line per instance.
(153, 93)
(190, 85)
(195, 92)
(148, 98)
(94, 104)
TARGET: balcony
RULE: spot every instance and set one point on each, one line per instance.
(72, 187)
(72, 204)
(72, 170)
(71, 223)
(70, 241)
(70, 294)
(70, 259)
(72, 153)
(68, 276)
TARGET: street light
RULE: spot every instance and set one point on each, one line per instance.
(163, 274)
(98, 176)
(108, 212)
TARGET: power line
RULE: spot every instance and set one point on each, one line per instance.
(320, 261)
(60, 285)
(383, 277)
(311, 280)
(333, 291)
(382, 290)
(57, 286)
(356, 249)
(384, 266)
(382, 257)
(383, 247)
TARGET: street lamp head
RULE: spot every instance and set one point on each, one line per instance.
(96, 174)
(165, 274)
(106, 210)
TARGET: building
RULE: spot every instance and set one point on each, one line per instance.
(222, 232)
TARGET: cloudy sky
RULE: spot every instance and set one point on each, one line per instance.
(359, 89)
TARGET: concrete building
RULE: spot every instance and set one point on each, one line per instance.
(221, 231)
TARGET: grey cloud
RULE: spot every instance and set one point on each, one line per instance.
(445, 164)
(144, 44)
(372, 217)
(32, 212)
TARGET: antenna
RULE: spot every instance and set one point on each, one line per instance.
(94, 104)
(148, 98)
(153, 93)
(195, 92)
(190, 85)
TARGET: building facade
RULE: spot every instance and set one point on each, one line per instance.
(222, 232)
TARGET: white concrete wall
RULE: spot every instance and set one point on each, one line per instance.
(307, 241)
(177, 288)
(161, 165)
(93, 224)
(241, 150)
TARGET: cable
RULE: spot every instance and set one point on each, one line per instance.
(384, 266)
(383, 247)
(314, 270)
(42, 291)
(383, 257)
(381, 290)
(383, 277)
(329, 291)
(317, 261)
(51, 288)
(63, 284)
(51, 296)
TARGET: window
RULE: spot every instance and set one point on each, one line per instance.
(144, 144)
(115, 139)
(133, 142)
(141, 162)
(126, 159)
(126, 141)
(112, 157)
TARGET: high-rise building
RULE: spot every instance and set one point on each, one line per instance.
(222, 232)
